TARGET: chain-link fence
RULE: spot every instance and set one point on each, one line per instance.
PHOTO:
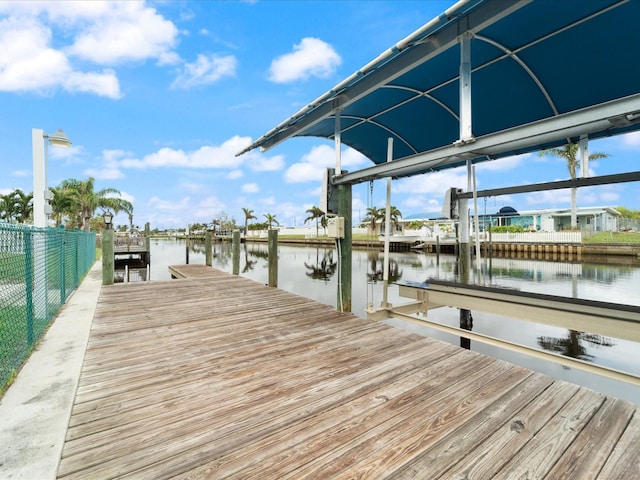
(39, 268)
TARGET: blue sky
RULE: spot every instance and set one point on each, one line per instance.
(158, 97)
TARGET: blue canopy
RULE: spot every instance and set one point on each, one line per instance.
(536, 74)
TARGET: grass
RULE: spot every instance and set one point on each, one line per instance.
(613, 237)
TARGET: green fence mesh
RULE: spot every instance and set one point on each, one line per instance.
(39, 268)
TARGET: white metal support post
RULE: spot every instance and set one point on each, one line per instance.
(583, 154)
(39, 177)
(466, 131)
(338, 142)
(41, 210)
(387, 229)
(38, 240)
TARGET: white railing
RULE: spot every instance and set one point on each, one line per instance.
(534, 237)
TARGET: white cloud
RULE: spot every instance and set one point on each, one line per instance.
(123, 195)
(105, 84)
(250, 188)
(313, 164)
(109, 165)
(502, 164)
(235, 174)
(435, 183)
(28, 63)
(312, 57)
(261, 163)
(209, 208)
(172, 213)
(126, 31)
(105, 173)
(205, 71)
(222, 156)
(157, 203)
(191, 187)
(631, 139)
(104, 33)
(550, 198)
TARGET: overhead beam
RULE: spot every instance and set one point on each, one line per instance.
(597, 118)
(540, 187)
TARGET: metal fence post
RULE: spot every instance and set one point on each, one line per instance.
(28, 259)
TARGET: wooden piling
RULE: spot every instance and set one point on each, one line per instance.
(107, 257)
(235, 246)
(208, 257)
(273, 257)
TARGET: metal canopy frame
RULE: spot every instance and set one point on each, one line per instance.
(420, 93)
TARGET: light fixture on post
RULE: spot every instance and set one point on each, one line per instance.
(41, 193)
(107, 218)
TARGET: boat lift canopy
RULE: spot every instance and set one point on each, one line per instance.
(484, 80)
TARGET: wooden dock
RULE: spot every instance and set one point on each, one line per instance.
(217, 376)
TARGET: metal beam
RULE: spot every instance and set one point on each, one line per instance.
(607, 319)
(597, 118)
(515, 347)
(540, 187)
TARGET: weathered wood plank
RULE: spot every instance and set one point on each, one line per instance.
(503, 444)
(624, 461)
(217, 376)
(595, 442)
(538, 455)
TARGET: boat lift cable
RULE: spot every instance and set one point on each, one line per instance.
(369, 289)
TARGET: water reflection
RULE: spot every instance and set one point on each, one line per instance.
(376, 268)
(571, 345)
(322, 269)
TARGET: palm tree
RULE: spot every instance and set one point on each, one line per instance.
(394, 215)
(314, 214)
(271, 219)
(569, 152)
(4, 207)
(248, 215)
(8, 207)
(87, 201)
(63, 204)
(373, 215)
(23, 205)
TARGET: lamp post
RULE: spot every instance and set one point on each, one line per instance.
(41, 193)
(108, 260)
(41, 209)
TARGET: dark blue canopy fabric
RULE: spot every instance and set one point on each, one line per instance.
(530, 61)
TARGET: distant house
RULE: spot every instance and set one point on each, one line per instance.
(589, 219)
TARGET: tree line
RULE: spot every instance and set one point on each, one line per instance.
(74, 204)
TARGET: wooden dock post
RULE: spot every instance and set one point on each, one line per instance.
(235, 246)
(464, 261)
(345, 247)
(273, 257)
(437, 249)
(107, 257)
(208, 258)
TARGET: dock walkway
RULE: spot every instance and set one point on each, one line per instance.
(218, 376)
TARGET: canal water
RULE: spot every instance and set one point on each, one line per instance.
(312, 272)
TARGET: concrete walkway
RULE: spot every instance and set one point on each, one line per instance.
(35, 411)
